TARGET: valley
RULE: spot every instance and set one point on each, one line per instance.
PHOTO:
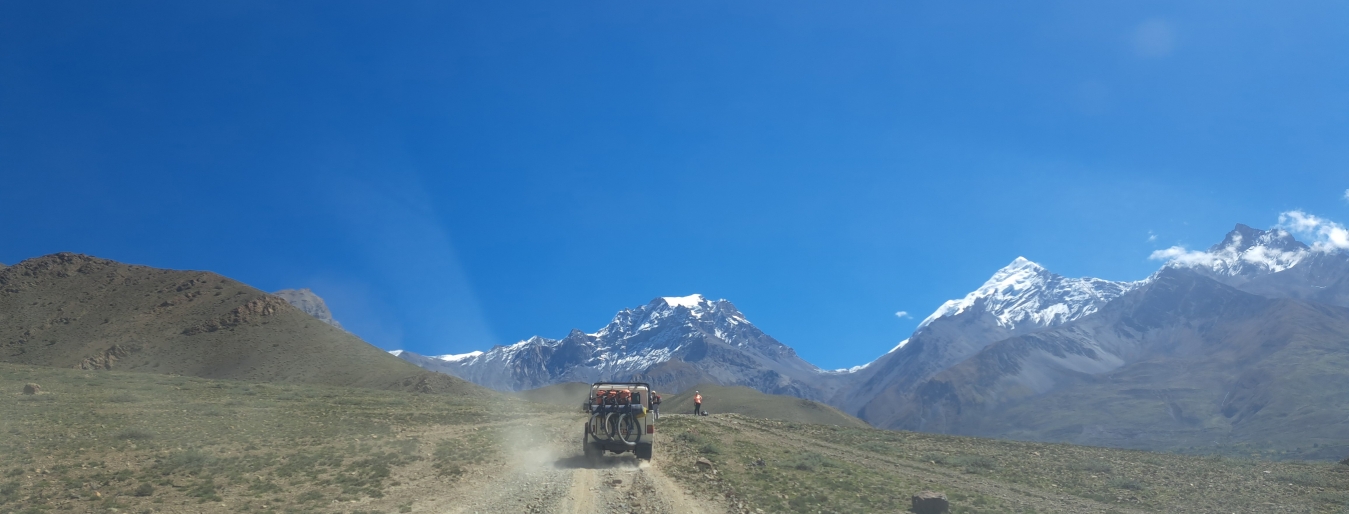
(1239, 346)
(105, 441)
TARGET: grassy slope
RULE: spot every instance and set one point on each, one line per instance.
(69, 310)
(101, 440)
(140, 442)
(568, 394)
(793, 467)
(751, 402)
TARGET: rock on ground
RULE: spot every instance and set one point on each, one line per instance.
(929, 502)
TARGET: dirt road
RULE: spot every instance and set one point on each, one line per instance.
(545, 472)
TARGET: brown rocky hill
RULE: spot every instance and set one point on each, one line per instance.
(75, 311)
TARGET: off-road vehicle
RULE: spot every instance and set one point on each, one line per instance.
(619, 420)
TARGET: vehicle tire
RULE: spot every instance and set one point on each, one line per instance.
(643, 451)
(588, 448)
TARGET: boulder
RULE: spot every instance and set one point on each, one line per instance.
(31, 388)
(929, 502)
(704, 464)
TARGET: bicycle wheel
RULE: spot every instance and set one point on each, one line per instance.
(597, 425)
(629, 429)
(611, 422)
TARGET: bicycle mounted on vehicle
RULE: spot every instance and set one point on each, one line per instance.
(619, 419)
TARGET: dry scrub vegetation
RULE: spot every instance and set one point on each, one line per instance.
(778, 466)
(136, 442)
(101, 441)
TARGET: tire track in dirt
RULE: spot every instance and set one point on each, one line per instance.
(546, 472)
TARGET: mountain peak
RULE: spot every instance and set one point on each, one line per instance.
(1243, 238)
(689, 302)
(1021, 264)
(1025, 292)
(1245, 251)
(711, 339)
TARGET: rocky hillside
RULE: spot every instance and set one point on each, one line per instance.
(309, 303)
(69, 310)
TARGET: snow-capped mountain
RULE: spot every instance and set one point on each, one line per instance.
(1270, 263)
(1020, 298)
(1024, 294)
(675, 342)
(1241, 344)
(1246, 252)
(672, 342)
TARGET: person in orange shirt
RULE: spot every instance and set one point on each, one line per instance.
(697, 403)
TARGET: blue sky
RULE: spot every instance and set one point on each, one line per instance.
(453, 175)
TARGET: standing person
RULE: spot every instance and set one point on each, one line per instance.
(697, 403)
(655, 404)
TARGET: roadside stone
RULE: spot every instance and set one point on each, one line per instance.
(704, 464)
(31, 388)
(929, 502)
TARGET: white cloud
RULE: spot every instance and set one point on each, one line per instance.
(1327, 234)
(1151, 236)
(902, 314)
(1183, 257)
(1229, 260)
(1346, 194)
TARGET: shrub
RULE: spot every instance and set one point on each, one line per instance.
(1125, 483)
(1091, 466)
(134, 433)
(309, 496)
(701, 443)
(9, 492)
(191, 462)
(809, 462)
(204, 491)
(971, 463)
(1300, 478)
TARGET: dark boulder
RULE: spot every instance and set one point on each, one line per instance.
(929, 502)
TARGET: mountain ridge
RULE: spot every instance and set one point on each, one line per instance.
(1190, 360)
(655, 342)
